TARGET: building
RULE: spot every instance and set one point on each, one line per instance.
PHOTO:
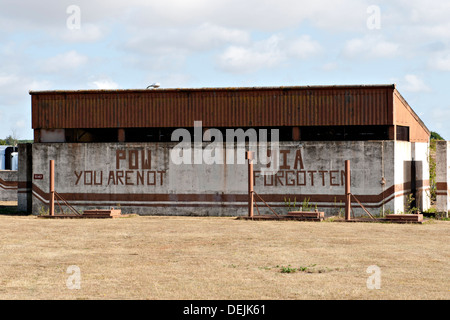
(116, 148)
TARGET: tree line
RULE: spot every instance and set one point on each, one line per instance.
(12, 141)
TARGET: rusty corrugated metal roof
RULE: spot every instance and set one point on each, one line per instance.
(215, 107)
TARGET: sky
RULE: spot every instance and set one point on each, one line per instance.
(73, 45)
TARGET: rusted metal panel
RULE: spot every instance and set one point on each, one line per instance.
(216, 107)
(405, 116)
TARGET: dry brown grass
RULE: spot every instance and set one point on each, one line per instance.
(220, 258)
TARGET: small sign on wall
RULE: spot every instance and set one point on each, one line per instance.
(38, 176)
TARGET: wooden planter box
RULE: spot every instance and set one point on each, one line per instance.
(307, 214)
(405, 217)
(98, 214)
(101, 213)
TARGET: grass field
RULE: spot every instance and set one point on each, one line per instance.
(221, 258)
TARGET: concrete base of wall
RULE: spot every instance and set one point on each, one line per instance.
(8, 185)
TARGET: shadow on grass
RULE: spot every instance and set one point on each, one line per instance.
(11, 211)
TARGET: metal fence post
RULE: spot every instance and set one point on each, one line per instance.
(52, 188)
(249, 156)
(348, 200)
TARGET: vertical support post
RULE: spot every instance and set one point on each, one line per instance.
(121, 135)
(348, 200)
(37, 135)
(296, 135)
(249, 156)
(392, 133)
(52, 188)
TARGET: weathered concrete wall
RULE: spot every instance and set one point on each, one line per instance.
(142, 178)
(24, 193)
(421, 183)
(443, 176)
(8, 185)
(411, 176)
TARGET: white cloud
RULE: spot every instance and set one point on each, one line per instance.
(103, 83)
(15, 87)
(413, 83)
(208, 36)
(168, 48)
(184, 40)
(37, 85)
(8, 79)
(174, 80)
(20, 124)
(439, 31)
(87, 33)
(414, 22)
(370, 47)
(439, 118)
(15, 112)
(262, 54)
(64, 61)
(420, 12)
(440, 61)
(330, 66)
(303, 47)
(250, 14)
(268, 16)
(267, 53)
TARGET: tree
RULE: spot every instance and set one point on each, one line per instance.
(436, 136)
(11, 141)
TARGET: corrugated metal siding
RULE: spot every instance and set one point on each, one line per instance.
(228, 107)
(405, 116)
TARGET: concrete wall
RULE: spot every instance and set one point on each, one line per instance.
(24, 192)
(421, 182)
(443, 176)
(412, 176)
(142, 178)
(8, 185)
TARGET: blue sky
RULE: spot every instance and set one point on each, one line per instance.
(57, 45)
